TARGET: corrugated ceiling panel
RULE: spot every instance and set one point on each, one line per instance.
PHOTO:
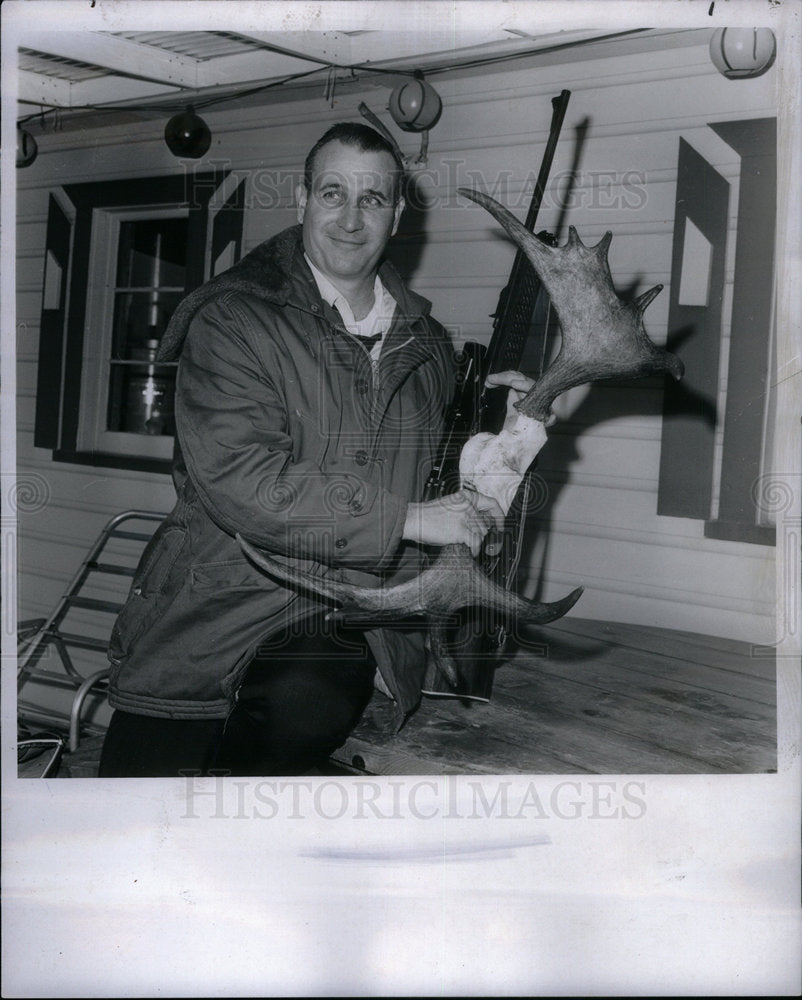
(58, 66)
(200, 45)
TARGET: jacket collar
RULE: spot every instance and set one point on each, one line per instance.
(277, 272)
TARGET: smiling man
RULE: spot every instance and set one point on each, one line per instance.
(311, 390)
(349, 206)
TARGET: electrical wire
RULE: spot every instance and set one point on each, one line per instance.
(492, 60)
(169, 107)
(321, 67)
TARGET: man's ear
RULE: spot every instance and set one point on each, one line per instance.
(300, 198)
(399, 208)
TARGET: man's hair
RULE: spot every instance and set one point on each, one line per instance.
(363, 138)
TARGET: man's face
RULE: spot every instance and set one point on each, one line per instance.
(349, 214)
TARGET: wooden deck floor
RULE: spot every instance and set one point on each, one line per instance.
(584, 698)
(604, 699)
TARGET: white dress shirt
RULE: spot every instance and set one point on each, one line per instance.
(377, 321)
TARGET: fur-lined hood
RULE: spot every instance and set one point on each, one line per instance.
(268, 272)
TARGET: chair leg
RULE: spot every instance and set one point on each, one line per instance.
(78, 704)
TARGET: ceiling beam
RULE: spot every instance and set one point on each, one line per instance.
(324, 46)
(105, 90)
(249, 67)
(120, 55)
(34, 88)
(380, 47)
(97, 92)
(24, 109)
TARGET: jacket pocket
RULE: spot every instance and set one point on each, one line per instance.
(230, 574)
(252, 605)
(144, 603)
(240, 574)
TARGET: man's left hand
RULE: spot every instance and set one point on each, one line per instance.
(519, 385)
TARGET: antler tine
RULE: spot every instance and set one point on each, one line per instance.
(539, 253)
(333, 590)
(603, 245)
(642, 301)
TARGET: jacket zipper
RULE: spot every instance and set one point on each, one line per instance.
(375, 443)
(375, 372)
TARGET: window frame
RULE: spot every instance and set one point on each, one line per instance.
(92, 433)
(75, 210)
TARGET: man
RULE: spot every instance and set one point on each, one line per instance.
(310, 397)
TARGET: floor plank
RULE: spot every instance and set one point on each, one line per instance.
(589, 653)
(713, 651)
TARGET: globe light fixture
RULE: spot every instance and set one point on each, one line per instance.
(187, 135)
(26, 147)
(742, 53)
(415, 105)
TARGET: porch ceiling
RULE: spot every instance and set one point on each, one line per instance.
(99, 69)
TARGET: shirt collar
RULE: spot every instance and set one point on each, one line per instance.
(377, 321)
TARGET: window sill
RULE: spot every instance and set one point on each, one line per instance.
(134, 463)
(733, 531)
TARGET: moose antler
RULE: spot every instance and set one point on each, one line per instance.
(452, 582)
(602, 337)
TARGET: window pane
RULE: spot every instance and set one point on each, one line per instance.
(139, 319)
(152, 253)
(141, 395)
(141, 392)
(151, 256)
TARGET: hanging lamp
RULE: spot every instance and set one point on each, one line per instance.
(187, 135)
(27, 149)
(742, 53)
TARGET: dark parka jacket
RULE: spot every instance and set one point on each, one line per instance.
(288, 434)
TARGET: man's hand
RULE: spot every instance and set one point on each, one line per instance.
(520, 385)
(464, 517)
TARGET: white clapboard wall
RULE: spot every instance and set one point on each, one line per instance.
(602, 529)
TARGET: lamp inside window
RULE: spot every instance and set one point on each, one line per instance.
(150, 282)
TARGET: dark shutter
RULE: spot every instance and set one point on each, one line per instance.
(686, 457)
(52, 326)
(227, 230)
(748, 368)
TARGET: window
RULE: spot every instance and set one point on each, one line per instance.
(120, 256)
(131, 296)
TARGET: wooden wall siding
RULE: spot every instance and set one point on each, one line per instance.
(602, 462)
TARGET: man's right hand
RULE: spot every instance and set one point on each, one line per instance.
(464, 517)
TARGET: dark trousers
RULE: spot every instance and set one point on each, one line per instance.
(300, 698)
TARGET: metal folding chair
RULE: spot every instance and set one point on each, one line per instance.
(36, 636)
